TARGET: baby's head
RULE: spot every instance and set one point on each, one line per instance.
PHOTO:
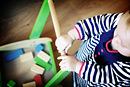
(121, 40)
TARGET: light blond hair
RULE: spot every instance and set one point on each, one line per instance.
(127, 22)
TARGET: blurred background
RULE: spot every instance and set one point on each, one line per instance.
(17, 18)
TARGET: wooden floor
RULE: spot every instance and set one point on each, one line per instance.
(17, 18)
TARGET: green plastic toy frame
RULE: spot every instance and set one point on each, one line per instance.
(36, 32)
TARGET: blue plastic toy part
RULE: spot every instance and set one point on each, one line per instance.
(39, 47)
(14, 55)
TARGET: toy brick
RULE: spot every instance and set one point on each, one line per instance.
(39, 47)
(38, 81)
(30, 84)
(26, 57)
(57, 78)
(37, 69)
(11, 83)
(42, 63)
(14, 55)
(44, 56)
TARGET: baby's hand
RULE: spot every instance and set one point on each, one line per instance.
(64, 42)
(70, 63)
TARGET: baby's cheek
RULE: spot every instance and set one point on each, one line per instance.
(127, 54)
(115, 43)
(124, 52)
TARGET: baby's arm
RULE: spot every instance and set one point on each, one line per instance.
(91, 71)
(96, 25)
(85, 29)
(65, 41)
(117, 71)
(114, 73)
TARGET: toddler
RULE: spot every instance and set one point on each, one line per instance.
(103, 58)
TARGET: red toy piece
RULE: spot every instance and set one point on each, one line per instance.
(38, 81)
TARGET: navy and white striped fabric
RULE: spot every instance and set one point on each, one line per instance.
(90, 30)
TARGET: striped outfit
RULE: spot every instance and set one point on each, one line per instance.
(101, 66)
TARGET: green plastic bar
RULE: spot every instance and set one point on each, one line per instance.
(52, 58)
(11, 83)
(42, 63)
(57, 78)
(40, 21)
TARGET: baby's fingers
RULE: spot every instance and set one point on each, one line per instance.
(63, 68)
(60, 49)
(61, 63)
(57, 42)
(61, 57)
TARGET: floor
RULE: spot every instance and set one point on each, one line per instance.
(18, 17)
